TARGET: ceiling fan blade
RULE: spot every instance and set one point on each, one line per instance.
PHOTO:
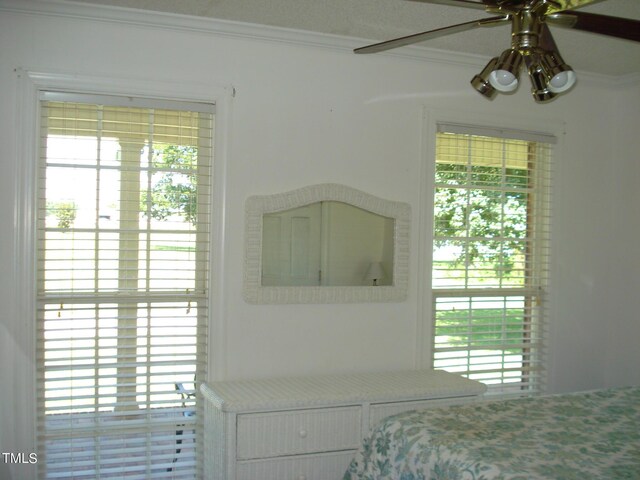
(547, 42)
(496, 5)
(559, 5)
(625, 28)
(431, 34)
(481, 5)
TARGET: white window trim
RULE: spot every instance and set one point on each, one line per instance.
(552, 127)
(29, 85)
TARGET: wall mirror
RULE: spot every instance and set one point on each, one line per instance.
(326, 244)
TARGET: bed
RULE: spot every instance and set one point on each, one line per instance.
(578, 436)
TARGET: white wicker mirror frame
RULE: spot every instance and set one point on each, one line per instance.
(257, 206)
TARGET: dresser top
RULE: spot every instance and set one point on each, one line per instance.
(326, 390)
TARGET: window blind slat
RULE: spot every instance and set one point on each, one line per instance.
(123, 255)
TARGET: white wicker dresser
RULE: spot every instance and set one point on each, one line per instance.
(308, 428)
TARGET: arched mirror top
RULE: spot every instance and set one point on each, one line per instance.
(326, 243)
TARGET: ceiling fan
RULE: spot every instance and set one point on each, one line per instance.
(532, 44)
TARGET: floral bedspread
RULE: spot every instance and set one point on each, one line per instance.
(591, 435)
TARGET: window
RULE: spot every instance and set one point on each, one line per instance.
(122, 286)
(489, 272)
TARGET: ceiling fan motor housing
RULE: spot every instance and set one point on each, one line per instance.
(525, 31)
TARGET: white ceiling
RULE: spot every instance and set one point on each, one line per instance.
(377, 20)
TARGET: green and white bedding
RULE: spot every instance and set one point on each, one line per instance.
(589, 435)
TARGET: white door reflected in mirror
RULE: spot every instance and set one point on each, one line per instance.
(327, 243)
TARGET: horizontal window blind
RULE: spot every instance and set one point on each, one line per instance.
(123, 287)
(490, 257)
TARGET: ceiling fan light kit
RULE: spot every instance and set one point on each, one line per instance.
(561, 76)
(540, 85)
(504, 76)
(548, 72)
(481, 81)
(532, 44)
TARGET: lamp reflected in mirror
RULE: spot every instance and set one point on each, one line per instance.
(374, 273)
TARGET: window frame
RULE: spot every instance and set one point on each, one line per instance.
(28, 86)
(550, 128)
(113, 322)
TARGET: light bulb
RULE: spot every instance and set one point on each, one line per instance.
(562, 81)
(503, 80)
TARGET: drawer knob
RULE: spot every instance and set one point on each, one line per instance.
(303, 434)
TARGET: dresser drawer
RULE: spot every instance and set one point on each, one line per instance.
(380, 411)
(327, 466)
(271, 434)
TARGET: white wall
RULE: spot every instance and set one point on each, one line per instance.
(622, 319)
(306, 113)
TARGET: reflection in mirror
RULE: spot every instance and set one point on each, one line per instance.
(327, 243)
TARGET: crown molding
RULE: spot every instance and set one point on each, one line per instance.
(263, 33)
(629, 80)
(228, 28)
